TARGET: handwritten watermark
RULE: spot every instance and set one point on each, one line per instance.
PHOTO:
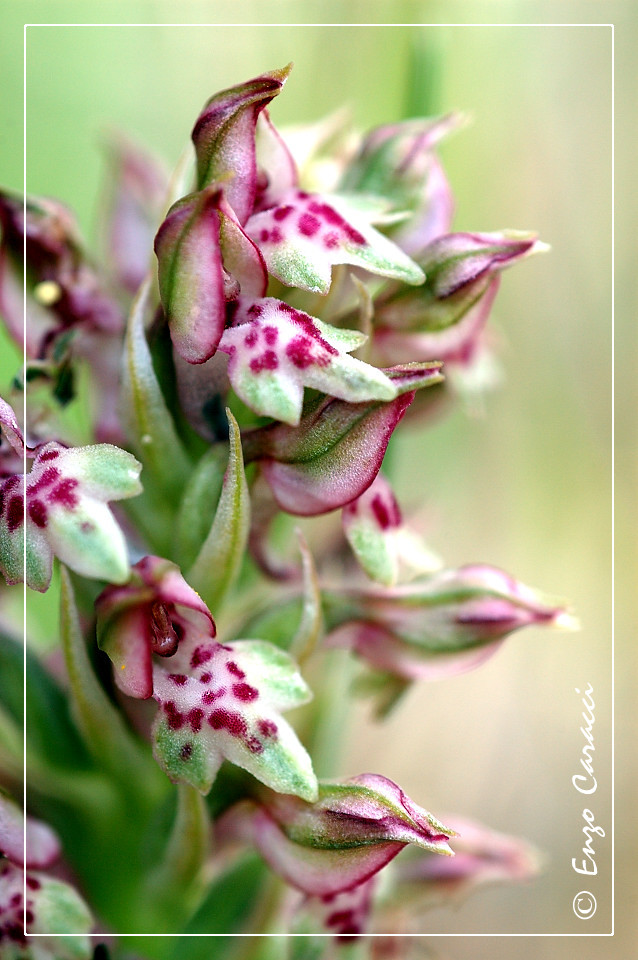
(584, 903)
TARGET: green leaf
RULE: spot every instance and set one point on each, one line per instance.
(50, 730)
(145, 414)
(311, 623)
(181, 867)
(214, 572)
(101, 725)
(227, 909)
(197, 509)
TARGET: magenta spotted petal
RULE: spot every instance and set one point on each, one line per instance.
(306, 234)
(49, 906)
(276, 350)
(223, 702)
(52, 909)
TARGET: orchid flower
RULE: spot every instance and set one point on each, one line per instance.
(52, 908)
(398, 162)
(446, 316)
(71, 313)
(66, 512)
(276, 350)
(217, 700)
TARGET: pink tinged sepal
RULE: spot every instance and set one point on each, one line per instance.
(387, 550)
(275, 351)
(151, 614)
(18, 834)
(457, 260)
(305, 235)
(353, 830)
(434, 215)
(11, 431)
(224, 138)
(337, 449)
(67, 514)
(52, 909)
(482, 856)
(224, 701)
(204, 259)
(445, 625)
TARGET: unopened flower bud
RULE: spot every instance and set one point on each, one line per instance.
(440, 626)
(397, 161)
(63, 502)
(353, 830)
(459, 268)
(337, 449)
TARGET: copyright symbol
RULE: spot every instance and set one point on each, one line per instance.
(584, 905)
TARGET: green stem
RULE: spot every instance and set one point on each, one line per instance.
(329, 711)
(264, 919)
(177, 884)
(102, 727)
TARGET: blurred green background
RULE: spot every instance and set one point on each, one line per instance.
(528, 485)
